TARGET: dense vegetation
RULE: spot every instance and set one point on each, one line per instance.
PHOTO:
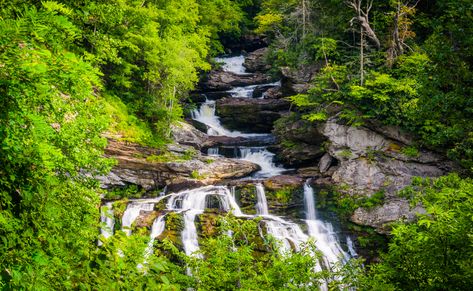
(75, 72)
(405, 63)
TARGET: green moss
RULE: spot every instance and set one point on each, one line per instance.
(119, 208)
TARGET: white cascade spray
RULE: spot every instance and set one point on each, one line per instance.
(262, 157)
(262, 203)
(192, 203)
(156, 229)
(325, 237)
(351, 248)
(206, 115)
(132, 212)
(213, 151)
(233, 64)
(106, 217)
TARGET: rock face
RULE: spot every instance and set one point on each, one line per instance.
(300, 142)
(250, 115)
(255, 61)
(369, 161)
(296, 81)
(186, 134)
(218, 80)
(137, 165)
(380, 217)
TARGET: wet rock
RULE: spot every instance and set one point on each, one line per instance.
(248, 42)
(381, 217)
(273, 93)
(260, 90)
(180, 184)
(283, 181)
(256, 61)
(250, 115)
(218, 80)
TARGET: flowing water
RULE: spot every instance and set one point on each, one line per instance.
(193, 202)
(106, 218)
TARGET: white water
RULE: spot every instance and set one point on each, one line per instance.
(192, 203)
(243, 92)
(156, 229)
(325, 238)
(106, 217)
(351, 248)
(212, 152)
(262, 203)
(132, 212)
(233, 64)
(262, 157)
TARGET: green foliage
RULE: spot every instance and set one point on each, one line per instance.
(410, 151)
(435, 252)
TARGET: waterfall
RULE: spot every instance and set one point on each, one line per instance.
(132, 212)
(325, 238)
(233, 64)
(106, 217)
(262, 157)
(212, 152)
(192, 203)
(351, 248)
(243, 92)
(262, 204)
(156, 229)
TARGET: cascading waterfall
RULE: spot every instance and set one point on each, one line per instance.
(192, 203)
(106, 217)
(233, 64)
(213, 152)
(132, 212)
(351, 248)
(262, 157)
(325, 238)
(262, 203)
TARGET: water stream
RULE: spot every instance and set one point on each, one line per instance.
(193, 202)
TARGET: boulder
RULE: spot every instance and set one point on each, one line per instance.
(325, 163)
(250, 115)
(186, 134)
(273, 93)
(256, 61)
(260, 90)
(297, 80)
(381, 217)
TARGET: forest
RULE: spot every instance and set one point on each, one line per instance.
(84, 81)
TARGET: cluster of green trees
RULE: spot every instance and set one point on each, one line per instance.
(72, 72)
(402, 62)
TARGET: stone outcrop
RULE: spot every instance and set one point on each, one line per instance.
(250, 115)
(382, 216)
(256, 61)
(142, 166)
(297, 81)
(300, 142)
(369, 161)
